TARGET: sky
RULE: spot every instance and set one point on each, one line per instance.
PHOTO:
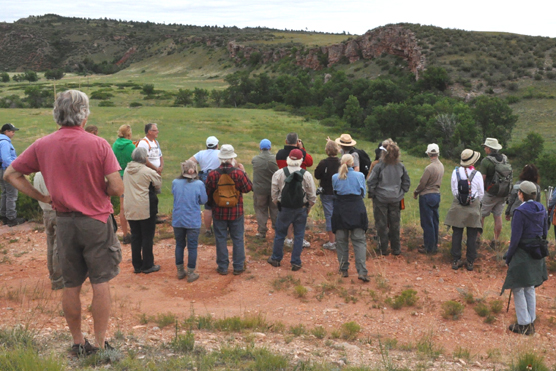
(356, 17)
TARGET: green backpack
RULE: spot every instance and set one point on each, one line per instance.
(501, 184)
(293, 193)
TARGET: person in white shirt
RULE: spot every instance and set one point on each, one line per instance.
(154, 153)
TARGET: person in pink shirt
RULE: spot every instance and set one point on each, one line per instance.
(81, 172)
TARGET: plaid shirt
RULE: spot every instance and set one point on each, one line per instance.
(243, 185)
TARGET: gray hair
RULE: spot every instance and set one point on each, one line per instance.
(71, 108)
(139, 155)
(227, 161)
(294, 163)
(291, 138)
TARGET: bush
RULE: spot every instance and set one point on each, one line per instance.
(183, 343)
(452, 309)
(529, 361)
(349, 330)
(102, 95)
(406, 298)
(135, 104)
(319, 332)
(106, 103)
(300, 291)
(482, 310)
(496, 306)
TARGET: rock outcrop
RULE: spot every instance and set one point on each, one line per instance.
(394, 40)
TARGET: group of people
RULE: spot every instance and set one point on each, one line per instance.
(78, 172)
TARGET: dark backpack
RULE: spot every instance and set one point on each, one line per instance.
(293, 193)
(464, 187)
(364, 161)
(226, 193)
(501, 184)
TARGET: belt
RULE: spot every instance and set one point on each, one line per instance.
(75, 214)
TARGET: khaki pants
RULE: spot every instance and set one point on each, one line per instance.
(264, 207)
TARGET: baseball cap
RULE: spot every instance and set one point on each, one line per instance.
(212, 141)
(433, 149)
(265, 144)
(296, 154)
(528, 187)
(8, 126)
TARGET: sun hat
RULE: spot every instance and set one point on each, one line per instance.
(265, 144)
(345, 140)
(212, 142)
(189, 169)
(433, 149)
(8, 127)
(296, 154)
(226, 152)
(469, 157)
(528, 187)
(492, 143)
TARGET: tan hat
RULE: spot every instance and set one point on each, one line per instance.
(528, 187)
(469, 157)
(226, 152)
(492, 143)
(189, 169)
(433, 149)
(345, 140)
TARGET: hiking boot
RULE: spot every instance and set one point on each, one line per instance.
(522, 329)
(181, 271)
(469, 266)
(154, 268)
(15, 221)
(237, 272)
(221, 272)
(344, 274)
(363, 278)
(136, 271)
(380, 252)
(83, 350)
(191, 275)
(127, 239)
(422, 250)
(4, 220)
(159, 220)
(288, 242)
(296, 267)
(329, 246)
(456, 264)
(260, 236)
(274, 263)
(306, 244)
(209, 232)
(396, 253)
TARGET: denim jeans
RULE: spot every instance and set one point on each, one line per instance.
(525, 304)
(298, 218)
(187, 237)
(142, 236)
(327, 206)
(221, 228)
(359, 241)
(428, 211)
(9, 198)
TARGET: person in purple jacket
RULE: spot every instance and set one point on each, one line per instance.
(525, 258)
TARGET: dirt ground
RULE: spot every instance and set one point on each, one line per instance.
(26, 298)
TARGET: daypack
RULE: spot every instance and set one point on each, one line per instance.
(226, 193)
(501, 184)
(364, 161)
(136, 143)
(293, 193)
(464, 187)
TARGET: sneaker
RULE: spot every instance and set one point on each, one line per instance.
(154, 268)
(288, 242)
(396, 253)
(159, 220)
(329, 246)
(260, 236)
(296, 267)
(274, 263)
(522, 329)
(237, 272)
(380, 252)
(15, 221)
(127, 239)
(422, 250)
(136, 270)
(83, 350)
(344, 274)
(469, 266)
(221, 272)
(4, 220)
(209, 232)
(306, 244)
(456, 264)
(364, 278)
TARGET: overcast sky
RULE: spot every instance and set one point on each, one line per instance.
(356, 17)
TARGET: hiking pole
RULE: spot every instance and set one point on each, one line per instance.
(509, 299)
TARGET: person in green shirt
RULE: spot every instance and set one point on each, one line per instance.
(123, 147)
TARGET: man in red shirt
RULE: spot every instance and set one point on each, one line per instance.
(81, 172)
(228, 218)
(293, 142)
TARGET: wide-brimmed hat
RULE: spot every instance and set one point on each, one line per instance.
(212, 142)
(469, 157)
(345, 140)
(492, 143)
(528, 187)
(226, 152)
(433, 149)
(189, 169)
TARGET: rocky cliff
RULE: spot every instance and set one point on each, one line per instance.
(394, 40)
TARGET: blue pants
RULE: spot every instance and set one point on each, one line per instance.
(525, 304)
(8, 199)
(221, 228)
(298, 218)
(187, 237)
(328, 207)
(428, 211)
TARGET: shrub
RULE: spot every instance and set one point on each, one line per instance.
(349, 330)
(319, 332)
(513, 86)
(529, 361)
(452, 309)
(183, 343)
(135, 104)
(482, 310)
(297, 330)
(163, 320)
(496, 306)
(106, 103)
(102, 95)
(300, 291)
(406, 298)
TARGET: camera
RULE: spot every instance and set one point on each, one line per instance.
(320, 191)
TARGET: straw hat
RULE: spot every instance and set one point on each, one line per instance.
(469, 157)
(345, 140)
(492, 143)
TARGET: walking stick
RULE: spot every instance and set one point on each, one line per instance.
(509, 299)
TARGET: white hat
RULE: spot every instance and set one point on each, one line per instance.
(469, 157)
(492, 143)
(433, 149)
(226, 152)
(212, 142)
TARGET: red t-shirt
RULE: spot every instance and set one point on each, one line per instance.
(73, 164)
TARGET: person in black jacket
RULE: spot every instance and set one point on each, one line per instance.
(324, 171)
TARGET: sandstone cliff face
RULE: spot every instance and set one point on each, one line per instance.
(394, 40)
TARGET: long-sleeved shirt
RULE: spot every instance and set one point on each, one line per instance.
(264, 167)
(354, 184)
(243, 185)
(431, 179)
(282, 156)
(188, 196)
(529, 221)
(477, 183)
(388, 183)
(278, 182)
(7, 151)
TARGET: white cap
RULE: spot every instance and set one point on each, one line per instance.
(433, 149)
(212, 141)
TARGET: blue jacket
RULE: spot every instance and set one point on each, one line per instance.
(7, 151)
(188, 196)
(529, 221)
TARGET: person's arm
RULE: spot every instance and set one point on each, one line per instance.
(517, 231)
(21, 183)
(309, 188)
(156, 180)
(511, 200)
(192, 158)
(372, 182)
(422, 183)
(362, 187)
(480, 187)
(203, 198)
(319, 171)
(245, 185)
(275, 188)
(114, 184)
(454, 183)
(406, 182)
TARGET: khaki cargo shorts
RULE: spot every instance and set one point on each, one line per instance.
(87, 248)
(492, 204)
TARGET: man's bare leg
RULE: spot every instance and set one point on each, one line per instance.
(497, 227)
(71, 304)
(101, 311)
(207, 217)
